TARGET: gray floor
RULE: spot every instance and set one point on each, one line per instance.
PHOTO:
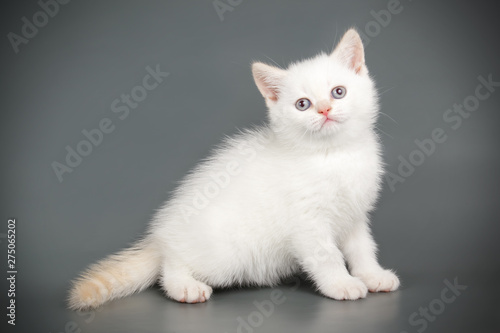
(437, 226)
(298, 308)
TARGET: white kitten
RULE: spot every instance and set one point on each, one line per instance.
(293, 195)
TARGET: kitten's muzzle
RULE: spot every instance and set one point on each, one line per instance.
(324, 107)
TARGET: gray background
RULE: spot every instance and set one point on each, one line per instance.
(441, 223)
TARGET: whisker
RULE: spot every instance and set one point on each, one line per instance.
(385, 114)
(295, 145)
(390, 136)
(274, 62)
(335, 39)
(387, 90)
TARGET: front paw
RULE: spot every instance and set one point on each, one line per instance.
(379, 280)
(346, 288)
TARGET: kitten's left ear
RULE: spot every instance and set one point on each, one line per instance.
(268, 79)
(350, 52)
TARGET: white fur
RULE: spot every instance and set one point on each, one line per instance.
(298, 199)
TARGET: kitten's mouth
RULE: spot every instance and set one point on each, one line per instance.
(329, 121)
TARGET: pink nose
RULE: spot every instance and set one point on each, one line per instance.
(324, 107)
(324, 110)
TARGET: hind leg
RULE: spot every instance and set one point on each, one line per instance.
(180, 285)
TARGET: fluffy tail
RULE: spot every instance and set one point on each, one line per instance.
(118, 275)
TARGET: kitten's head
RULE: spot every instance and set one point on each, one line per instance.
(330, 98)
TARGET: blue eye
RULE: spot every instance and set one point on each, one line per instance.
(338, 92)
(303, 104)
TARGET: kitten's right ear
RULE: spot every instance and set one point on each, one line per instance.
(268, 79)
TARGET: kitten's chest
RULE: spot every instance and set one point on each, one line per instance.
(343, 182)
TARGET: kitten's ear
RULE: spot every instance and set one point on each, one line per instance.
(350, 52)
(268, 79)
